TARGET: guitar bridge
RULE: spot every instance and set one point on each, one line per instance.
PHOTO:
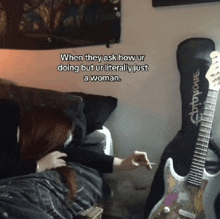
(187, 214)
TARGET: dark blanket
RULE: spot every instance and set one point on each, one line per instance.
(44, 195)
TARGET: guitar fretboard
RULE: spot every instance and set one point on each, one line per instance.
(200, 153)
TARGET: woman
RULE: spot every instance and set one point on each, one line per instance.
(46, 138)
(45, 126)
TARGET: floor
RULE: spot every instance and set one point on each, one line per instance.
(137, 216)
(110, 217)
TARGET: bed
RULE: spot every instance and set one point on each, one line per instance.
(44, 195)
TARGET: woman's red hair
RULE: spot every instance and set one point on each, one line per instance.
(42, 131)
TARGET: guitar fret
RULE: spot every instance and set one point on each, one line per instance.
(204, 130)
(201, 145)
(210, 99)
(208, 128)
(199, 161)
(203, 139)
(203, 125)
(202, 136)
(206, 121)
(207, 125)
(196, 172)
(211, 103)
(202, 151)
(197, 168)
(212, 110)
(213, 91)
(199, 153)
(211, 116)
(199, 156)
(212, 96)
(196, 183)
(198, 164)
(194, 179)
(210, 107)
(209, 111)
(197, 175)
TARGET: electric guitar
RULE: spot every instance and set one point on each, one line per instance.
(193, 196)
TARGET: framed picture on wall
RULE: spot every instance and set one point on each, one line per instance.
(159, 3)
(54, 24)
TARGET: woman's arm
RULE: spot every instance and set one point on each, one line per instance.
(50, 161)
(134, 161)
(105, 163)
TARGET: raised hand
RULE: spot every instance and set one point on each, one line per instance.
(134, 161)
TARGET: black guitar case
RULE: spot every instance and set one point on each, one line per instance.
(193, 59)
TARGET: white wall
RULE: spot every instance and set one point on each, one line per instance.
(149, 107)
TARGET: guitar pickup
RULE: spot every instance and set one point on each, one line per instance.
(187, 214)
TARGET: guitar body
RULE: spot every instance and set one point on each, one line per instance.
(182, 200)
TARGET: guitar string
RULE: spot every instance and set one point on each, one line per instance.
(204, 132)
(204, 138)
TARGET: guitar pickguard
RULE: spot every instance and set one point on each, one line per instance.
(184, 201)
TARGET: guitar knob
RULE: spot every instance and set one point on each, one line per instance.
(158, 214)
(166, 210)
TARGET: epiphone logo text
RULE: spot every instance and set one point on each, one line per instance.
(195, 115)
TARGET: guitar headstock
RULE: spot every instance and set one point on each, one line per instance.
(213, 74)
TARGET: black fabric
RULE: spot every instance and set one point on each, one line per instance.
(97, 109)
(76, 115)
(44, 195)
(10, 162)
(9, 117)
(12, 165)
(193, 62)
(89, 156)
(29, 97)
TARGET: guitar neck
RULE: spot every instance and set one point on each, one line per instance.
(200, 153)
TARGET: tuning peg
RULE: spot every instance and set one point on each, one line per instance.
(214, 54)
